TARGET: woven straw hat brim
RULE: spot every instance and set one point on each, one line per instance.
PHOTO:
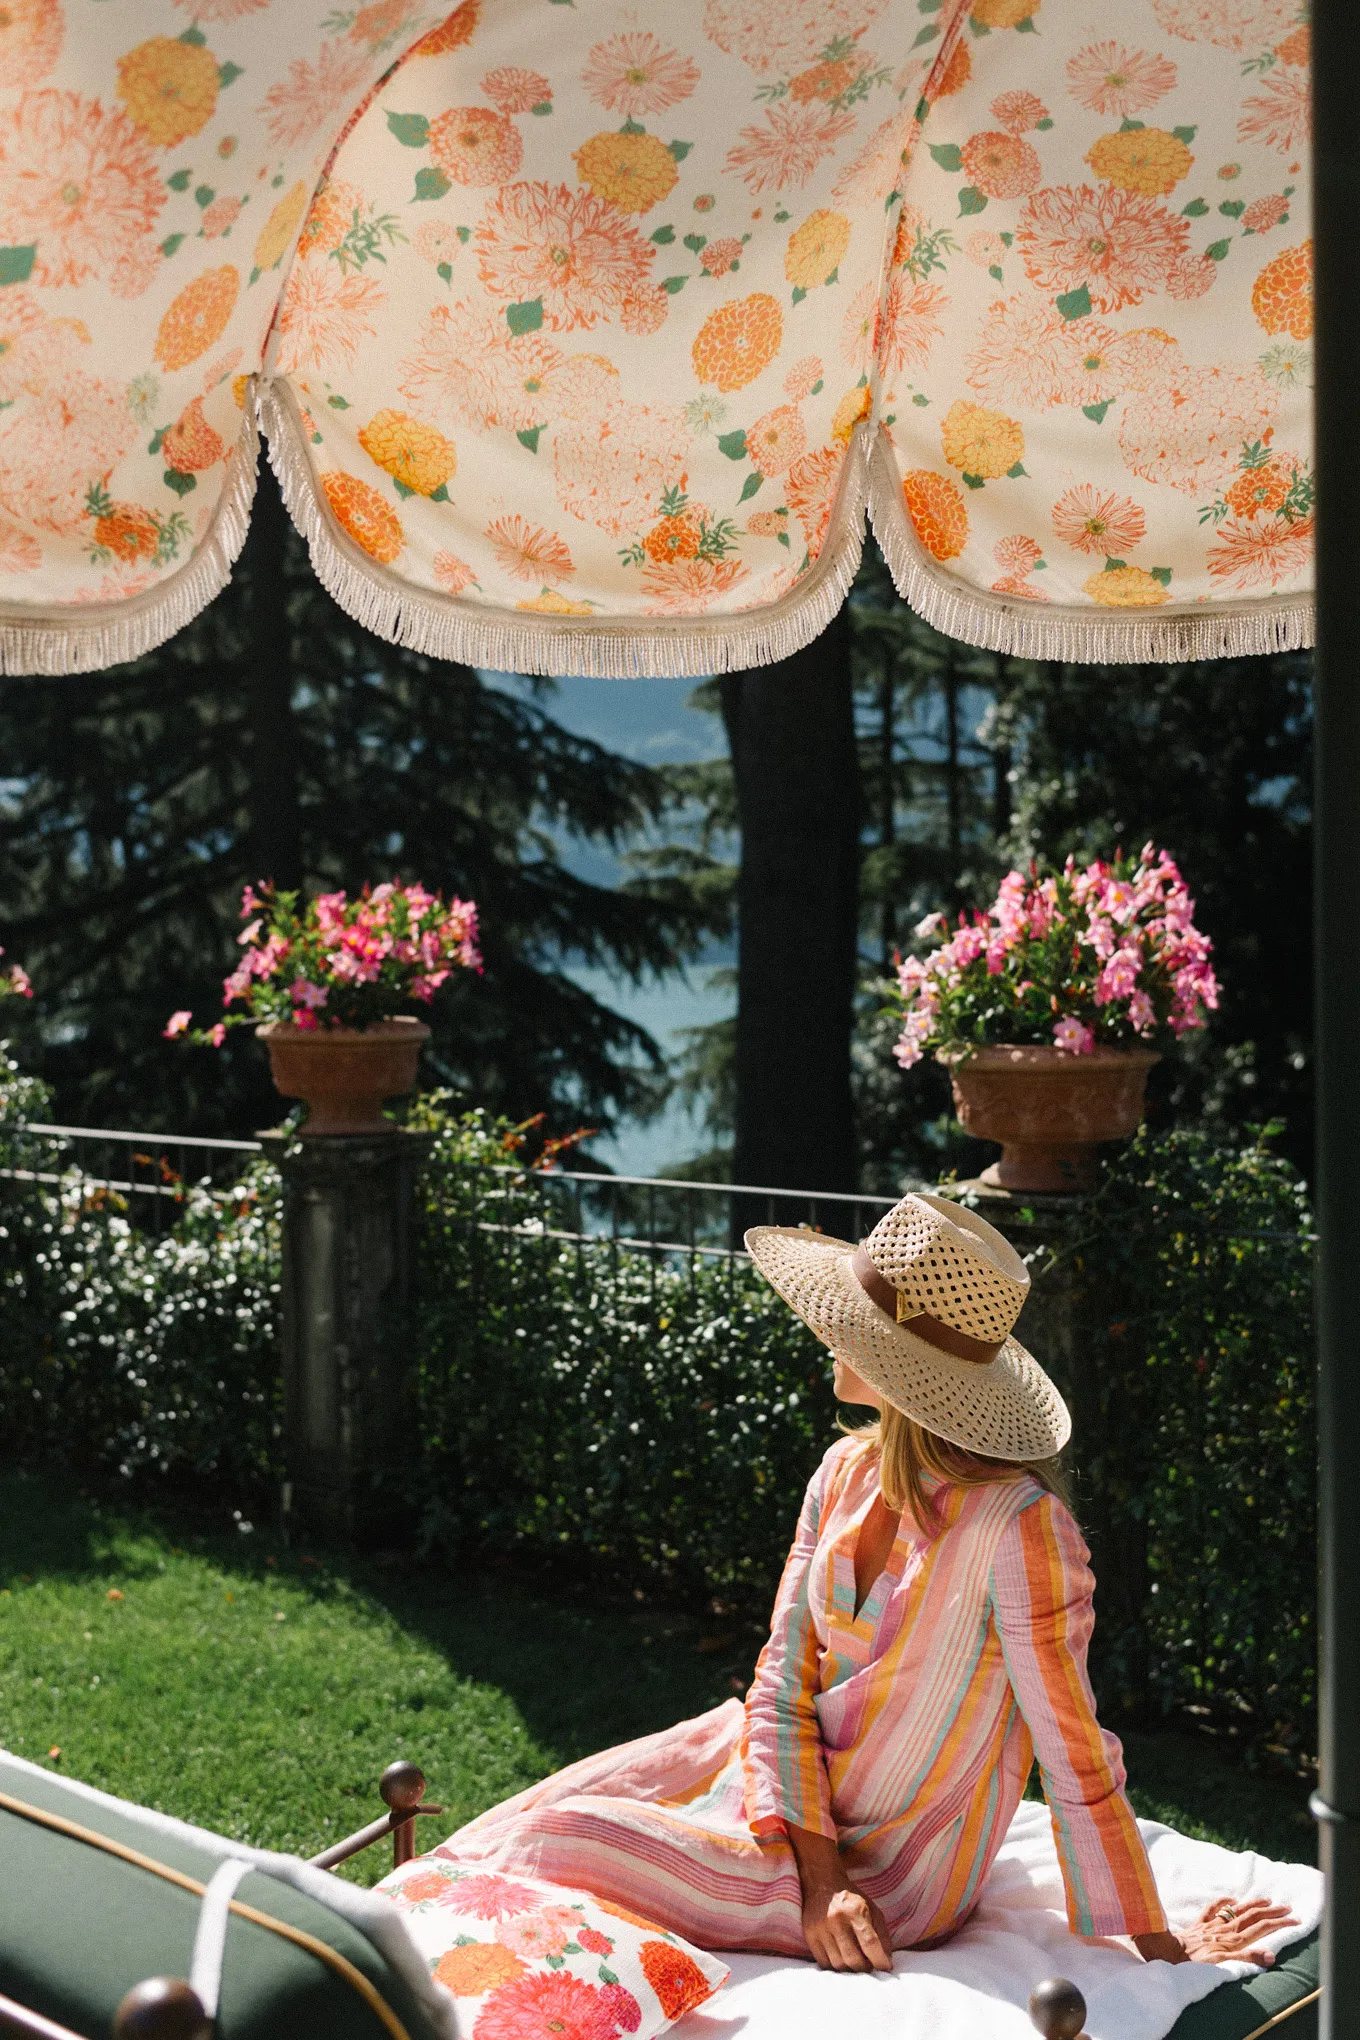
(1006, 1408)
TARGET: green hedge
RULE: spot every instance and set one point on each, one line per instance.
(649, 1421)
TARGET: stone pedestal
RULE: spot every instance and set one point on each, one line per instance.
(347, 1352)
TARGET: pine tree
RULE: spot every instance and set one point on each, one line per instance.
(275, 738)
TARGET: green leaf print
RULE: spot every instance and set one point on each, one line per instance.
(948, 155)
(526, 317)
(1074, 304)
(733, 444)
(431, 182)
(750, 485)
(971, 200)
(412, 130)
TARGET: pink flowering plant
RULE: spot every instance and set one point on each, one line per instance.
(14, 982)
(340, 962)
(1105, 954)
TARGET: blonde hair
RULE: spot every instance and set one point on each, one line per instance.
(905, 1451)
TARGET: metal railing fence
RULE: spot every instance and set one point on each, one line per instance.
(148, 1176)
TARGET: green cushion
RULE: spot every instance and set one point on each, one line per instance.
(78, 1927)
(1236, 2009)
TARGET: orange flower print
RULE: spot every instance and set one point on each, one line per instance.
(528, 552)
(426, 1884)
(515, 90)
(815, 249)
(550, 603)
(1092, 522)
(777, 439)
(451, 34)
(1118, 243)
(1261, 553)
(677, 1979)
(955, 74)
(1018, 556)
(853, 406)
(452, 574)
(634, 74)
(633, 171)
(1264, 213)
(613, 465)
(826, 80)
(871, 175)
(84, 186)
(674, 538)
(803, 378)
(1107, 79)
(621, 1912)
(326, 317)
(302, 103)
(737, 341)
(1018, 112)
(768, 523)
(720, 256)
(1003, 13)
(1190, 277)
(787, 147)
(1001, 165)
(74, 431)
(20, 553)
(169, 88)
(128, 531)
(415, 455)
(332, 210)
(556, 2004)
(859, 327)
(1189, 426)
(359, 510)
(981, 442)
(1282, 295)
(1297, 47)
(276, 235)
(1258, 491)
(197, 318)
(30, 40)
(467, 365)
(190, 446)
(1246, 25)
(810, 486)
(382, 21)
(221, 10)
(573, 252)
(690, 587)
(474, 145)
(937, 511)
(1147, 159)
(1125, 588)
(479, 1967)
(1280, 115)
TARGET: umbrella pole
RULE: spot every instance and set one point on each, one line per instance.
(1336, 1803)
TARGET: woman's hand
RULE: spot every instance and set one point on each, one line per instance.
(1223, 1932)
(843, 1929)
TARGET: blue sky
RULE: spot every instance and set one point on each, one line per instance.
(650, 720)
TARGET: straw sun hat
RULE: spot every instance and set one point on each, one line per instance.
(923, 1310)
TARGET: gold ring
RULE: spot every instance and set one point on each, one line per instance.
(1227, 1911)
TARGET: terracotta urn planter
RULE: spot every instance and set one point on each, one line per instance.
(343, 1074)
(1049, 1109)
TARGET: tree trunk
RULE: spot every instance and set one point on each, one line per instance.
(275, 821)
(790, 728)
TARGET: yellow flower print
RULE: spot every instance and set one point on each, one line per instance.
(1146, 160)
(197, 317)
(169, 88)
(1125, 588)
(276, 235)
(415, 455)
(815, 249)
(361, 511)
(853, 406)
(550, 603)
(634, 172)
(981, 442)
(1002, 13)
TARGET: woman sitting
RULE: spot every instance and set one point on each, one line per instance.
(929, 1639)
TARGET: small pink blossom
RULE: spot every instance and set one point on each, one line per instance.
(532, 1936)
(305, 1018)
(217, 1034)
(177, 1023)
(304, 993)
(1142, 1013)
(1069, 1034)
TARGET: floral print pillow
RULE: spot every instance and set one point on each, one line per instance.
(524, 1958)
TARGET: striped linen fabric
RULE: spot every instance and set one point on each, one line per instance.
(905, 1729)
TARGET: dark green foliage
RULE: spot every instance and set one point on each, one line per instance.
(273, 738)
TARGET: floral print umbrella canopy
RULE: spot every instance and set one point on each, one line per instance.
(584, 336)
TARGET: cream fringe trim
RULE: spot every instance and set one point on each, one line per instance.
(511, 641)
(1040, 630)
(82, 637)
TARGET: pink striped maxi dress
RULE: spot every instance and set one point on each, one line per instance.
(906, 1731)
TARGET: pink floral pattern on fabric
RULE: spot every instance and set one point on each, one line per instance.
(525, 1958)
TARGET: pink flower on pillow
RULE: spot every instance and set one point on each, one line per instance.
(622, 2004)
(532, 1935)
(538, 2006)
(595, 1943)
(492, 1898)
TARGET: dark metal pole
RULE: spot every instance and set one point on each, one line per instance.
(1337, 846)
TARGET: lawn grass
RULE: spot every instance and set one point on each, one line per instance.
(259, 1691)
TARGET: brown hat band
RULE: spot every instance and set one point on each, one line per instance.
(902, 1311)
